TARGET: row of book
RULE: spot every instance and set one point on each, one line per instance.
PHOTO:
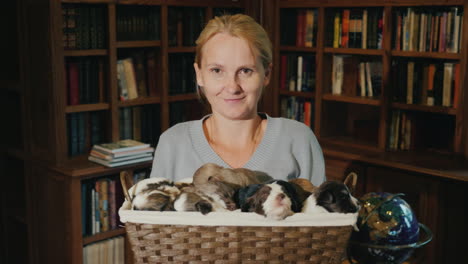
(123, 152)
(182, 74)
(110, 251)
(300, 28)
(83, 26)
(138, 22)
(84, 80)
(420, 82)
(355, 28)
(184, 25)
(401, 131)
(84, 130)
(297, 73)
(299, 109)
(353, 77)
(141, 123)
(136, 75)
(100, 201)
(428, 30)
(185, 111)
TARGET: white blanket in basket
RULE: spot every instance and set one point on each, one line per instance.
(235, 218)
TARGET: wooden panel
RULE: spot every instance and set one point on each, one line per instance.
(337, 169)
(49, 222)
(454, 216)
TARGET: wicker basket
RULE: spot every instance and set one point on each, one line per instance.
(189, 237)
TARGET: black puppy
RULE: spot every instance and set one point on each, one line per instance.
(275, 199)
(331, 196)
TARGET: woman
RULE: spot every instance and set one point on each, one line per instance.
(233, 64)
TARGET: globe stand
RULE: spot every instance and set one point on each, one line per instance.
(367, 253)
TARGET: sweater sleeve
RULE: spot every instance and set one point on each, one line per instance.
(161, 159)
(317, 174)
(309, 155)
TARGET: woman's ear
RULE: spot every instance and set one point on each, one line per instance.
(198, 74)
(266, 79)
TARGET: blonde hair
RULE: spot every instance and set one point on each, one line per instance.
(241, 26)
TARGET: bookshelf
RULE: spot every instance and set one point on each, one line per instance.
(396, 139)
(47, 148)
(72, 89)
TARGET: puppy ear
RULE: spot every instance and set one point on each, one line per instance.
(350, 181)
(326, 197)
(249, 205)
(214, 178)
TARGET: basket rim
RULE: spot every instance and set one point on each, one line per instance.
(234, 218)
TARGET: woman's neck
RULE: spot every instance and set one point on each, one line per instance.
(233, 132)
(234, 138)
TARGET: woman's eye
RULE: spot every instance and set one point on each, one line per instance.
(215, 70)
(246, 71)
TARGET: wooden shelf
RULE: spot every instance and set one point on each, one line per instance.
(89, 1)
(138, 44)
(373, 3)
(139, 2)
(86, 108)
(351, 99)
(140, 101)
(84, 53)
(204, 3)
(298, 49)
(425, 108)
(453, 167)
(102, 236)
(430, 55)
(368, 52)
(349, 142)
(183, 97)
(297, 94)
(83, 169)
(181, 49)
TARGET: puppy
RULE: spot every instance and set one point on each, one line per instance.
(239, 177)
(304, 188)
(275, 199)
(331, 196)
(153, 194)
(208, 197)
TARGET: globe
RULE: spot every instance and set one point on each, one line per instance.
(388, 231)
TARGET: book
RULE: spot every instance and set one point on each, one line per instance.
(130, 78)
(121, 146)
(116, 164)
(337, 74)
(101, 156)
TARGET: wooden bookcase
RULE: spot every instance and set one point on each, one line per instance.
(355, 131)
(65, 97)
(46, 221)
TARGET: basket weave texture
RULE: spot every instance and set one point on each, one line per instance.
(155, 243)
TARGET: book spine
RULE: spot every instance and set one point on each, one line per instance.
(112, 205)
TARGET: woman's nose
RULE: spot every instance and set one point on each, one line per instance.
(232, 84)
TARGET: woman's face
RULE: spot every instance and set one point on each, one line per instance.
(231, 77)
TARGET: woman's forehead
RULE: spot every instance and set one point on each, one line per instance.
(224, 48)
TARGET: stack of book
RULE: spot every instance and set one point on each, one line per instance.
(122, 152)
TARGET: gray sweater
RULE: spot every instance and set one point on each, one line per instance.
(288, 149)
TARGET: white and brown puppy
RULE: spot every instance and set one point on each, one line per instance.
(213, 196)
(333, 197)
(275, 199)
(153, 194)
(240, 177)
